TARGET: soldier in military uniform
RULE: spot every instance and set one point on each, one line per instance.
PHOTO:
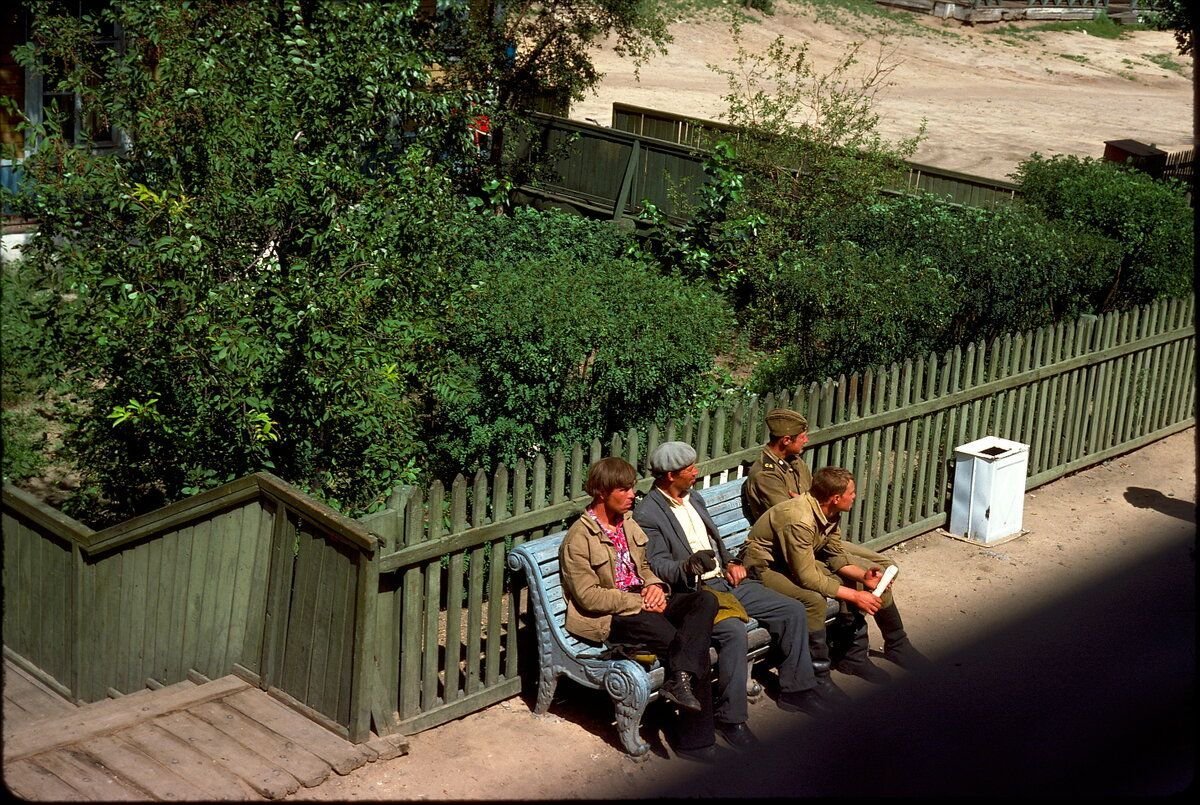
(796, 548)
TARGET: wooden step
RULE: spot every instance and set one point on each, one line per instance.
(224, 739)
(81, 724)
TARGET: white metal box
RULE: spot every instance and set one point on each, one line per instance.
(989, 489)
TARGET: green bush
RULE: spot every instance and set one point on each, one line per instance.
(1149, 219)
(910, 275)
(1010, 268)
(842, 309)
(557, 350)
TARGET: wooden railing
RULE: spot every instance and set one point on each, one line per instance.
(252, 578)
(407, 618)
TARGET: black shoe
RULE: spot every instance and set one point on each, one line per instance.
(678, 689)
(705, 754)
(907, 657)
(738, 736)
(866, 670)
(810, 702)
(830, 692)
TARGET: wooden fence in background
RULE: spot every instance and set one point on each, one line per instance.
(960, 188)
(407, 618)
(1077, 393)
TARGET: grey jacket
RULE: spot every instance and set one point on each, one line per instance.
(668, 548)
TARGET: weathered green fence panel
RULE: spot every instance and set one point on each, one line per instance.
(38, 580)
(959, 188)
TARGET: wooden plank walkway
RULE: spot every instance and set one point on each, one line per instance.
(219, 740)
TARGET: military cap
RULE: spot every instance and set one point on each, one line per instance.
(785, 422)
(672, 457)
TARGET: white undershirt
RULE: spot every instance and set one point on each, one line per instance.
(693, 529)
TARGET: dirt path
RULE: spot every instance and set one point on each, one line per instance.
(989, 99)
(1066, 664)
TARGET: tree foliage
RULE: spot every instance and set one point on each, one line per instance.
(254, 281)
(525, 52)
(631, 347)
(1178, 16)
(1151, 221)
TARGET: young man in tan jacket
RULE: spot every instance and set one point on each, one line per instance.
(614, 598)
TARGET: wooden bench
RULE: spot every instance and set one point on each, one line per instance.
(631, 685)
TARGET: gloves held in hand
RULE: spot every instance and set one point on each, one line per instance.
(700, 562)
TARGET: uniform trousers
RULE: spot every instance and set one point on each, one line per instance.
(784, 618)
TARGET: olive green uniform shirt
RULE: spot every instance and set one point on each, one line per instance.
(770, 481)
(795, 538)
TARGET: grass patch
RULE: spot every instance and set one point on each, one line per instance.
(1102, 26)
(1011, 31)
(1074, 57)
(1164, 61)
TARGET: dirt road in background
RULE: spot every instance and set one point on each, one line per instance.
(989, 99)
(1066, 664)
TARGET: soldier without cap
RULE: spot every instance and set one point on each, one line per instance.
(780, 475)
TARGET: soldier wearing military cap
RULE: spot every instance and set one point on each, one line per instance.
(685, 550)
(780, 474)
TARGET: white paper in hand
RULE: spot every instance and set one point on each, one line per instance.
(888, 575)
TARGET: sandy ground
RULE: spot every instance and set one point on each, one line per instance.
(1066, 665)
(989, 99)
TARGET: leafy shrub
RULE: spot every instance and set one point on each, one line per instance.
(24, 443)
(843, 308)
(1150, 220)
(914, 274)
(556, 351)
(1010, 268)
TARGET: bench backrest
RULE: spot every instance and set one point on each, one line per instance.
(539, 559)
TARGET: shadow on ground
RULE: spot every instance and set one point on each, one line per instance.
(1144, 498)
(1090, 695)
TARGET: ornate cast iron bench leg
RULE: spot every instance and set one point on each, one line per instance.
(547, 684)
(629, 686)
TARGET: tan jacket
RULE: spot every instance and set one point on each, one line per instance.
(794, 538)
(771, 481)
(587, 561)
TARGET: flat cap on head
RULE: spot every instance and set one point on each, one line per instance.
(785, 422)
(672, 457)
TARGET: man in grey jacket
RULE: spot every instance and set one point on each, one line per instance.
(686, 552)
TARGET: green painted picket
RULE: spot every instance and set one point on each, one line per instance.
(407, 618)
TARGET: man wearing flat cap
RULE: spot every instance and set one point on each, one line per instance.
(780, 475)
(685, 550)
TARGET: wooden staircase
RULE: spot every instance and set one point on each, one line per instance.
(223, 739)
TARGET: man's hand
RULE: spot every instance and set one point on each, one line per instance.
(866, 601)
(655, 600)
(700, 563)
(872, 576)
(734, 573)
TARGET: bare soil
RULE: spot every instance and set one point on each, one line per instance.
(1066, 663)
(989, 99)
